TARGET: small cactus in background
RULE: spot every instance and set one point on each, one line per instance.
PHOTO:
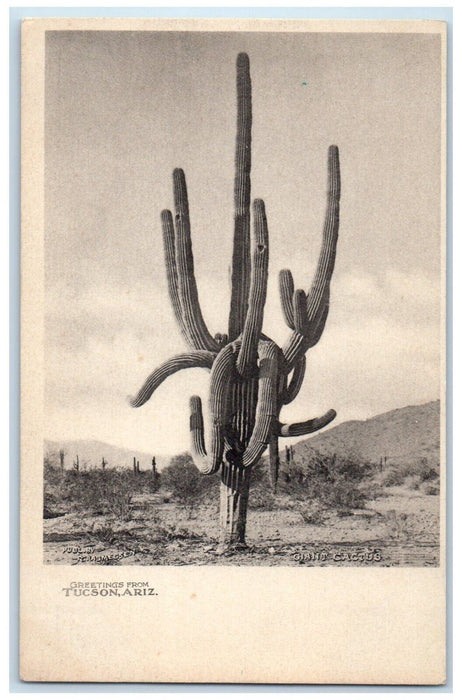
(76, 463)
(103, 463)
(61, 459)
(251, 378)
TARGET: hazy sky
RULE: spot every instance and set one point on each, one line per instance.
(125, 108)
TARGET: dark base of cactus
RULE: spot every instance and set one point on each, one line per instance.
(234, 497)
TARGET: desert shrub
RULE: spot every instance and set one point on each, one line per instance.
(261, 498)
(394, 477)
(332, 480)
(345, 495)
(413, 482)
(313, 515)
(101, 491)
(410, 475)
(429, 474)
(187, 485)
(53, 478)
(430, 489)
(398, 524)
(104, 534)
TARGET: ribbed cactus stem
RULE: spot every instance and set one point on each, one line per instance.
(308, 426)
(317, 328)
(208, 460)
(296, 380)
(168, 232)
(326, 260)
(247, 360)
(206, 463)
(274, 460)
(234, 496)
(300, 312)
(286, 293)
(194, 323)
(267, 405)
(186, 360)
(240, 270)
(317, 305)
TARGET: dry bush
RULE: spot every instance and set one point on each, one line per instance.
(431, 489)
(187, 485)
(100, 491)
(332, 480)
(399, 525)
(410, 475)
(313, 515)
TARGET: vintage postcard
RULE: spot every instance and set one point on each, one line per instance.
(233, 351)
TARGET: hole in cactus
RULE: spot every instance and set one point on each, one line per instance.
(261, 248)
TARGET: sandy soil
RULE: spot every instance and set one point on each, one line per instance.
(399, 529)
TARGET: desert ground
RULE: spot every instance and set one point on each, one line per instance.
(398, 527)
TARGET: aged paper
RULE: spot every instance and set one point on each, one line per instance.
(311, 549)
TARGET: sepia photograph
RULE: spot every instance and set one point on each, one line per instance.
(234, 350)
(243, 233)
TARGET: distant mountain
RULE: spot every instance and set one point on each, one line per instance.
(91, 452)
(402, 436)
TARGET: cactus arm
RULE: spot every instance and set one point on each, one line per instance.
(317, 305)
(326, 262)
(247, 358)
(308, 426)
(168, 232)
(300, 312)
(240, 269)
(296, 380)
(195, 358)
(266, 412)
(286, 293)
(199, 336)
(206, 463)
(274, 460)
(209, 460)
(318, 327)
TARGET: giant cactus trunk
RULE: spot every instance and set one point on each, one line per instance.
(251, 378)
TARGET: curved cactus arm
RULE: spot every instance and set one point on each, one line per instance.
(208, 460)
(296, 380)
(186, 360)
(286, 294)
(317, 305)
(206, 463)
(308, 426)
(318, 326)
(274, 460)
(168, 232)
(300, 312)
(247, 358)
(199, 336)
(240, 269)
(295, 347)
(267, 404)
(326, 262)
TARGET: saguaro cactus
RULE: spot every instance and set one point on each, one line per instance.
(251, 378)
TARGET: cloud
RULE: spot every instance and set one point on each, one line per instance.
(380, 350)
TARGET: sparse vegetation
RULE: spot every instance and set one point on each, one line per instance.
(186, 484)
(99, 491)
(331, 480)
(168, 516)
